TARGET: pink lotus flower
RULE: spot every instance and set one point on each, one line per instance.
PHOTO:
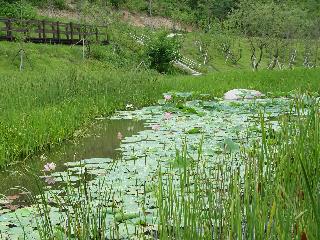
(155, 127)
(49, 167)
(167, 115)
(167, 97)
(119, 135)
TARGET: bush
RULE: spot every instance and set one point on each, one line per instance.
(97, 52)
(17, 10)
(161, 51)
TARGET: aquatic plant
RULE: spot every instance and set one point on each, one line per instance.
(167, 115)
(271, 194)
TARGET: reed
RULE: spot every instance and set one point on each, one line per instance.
(273, 193)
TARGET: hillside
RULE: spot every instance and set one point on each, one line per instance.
(212, 48)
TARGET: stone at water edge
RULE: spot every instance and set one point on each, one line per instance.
(238, 94)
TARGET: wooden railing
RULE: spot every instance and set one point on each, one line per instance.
(44, 31)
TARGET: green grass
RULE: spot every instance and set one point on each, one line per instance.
(58, 92)
(274, 82)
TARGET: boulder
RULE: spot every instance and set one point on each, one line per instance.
(239, 94)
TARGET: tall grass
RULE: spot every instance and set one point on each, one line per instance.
(82, 211)
(38, 111)
(273, 194)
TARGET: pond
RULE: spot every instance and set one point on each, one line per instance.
(99, 141)
(126, 154)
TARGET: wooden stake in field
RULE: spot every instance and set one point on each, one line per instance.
(21, 52)
(83, 48)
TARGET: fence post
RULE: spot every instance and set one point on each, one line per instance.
(44, 30)
(107, 35)
(71, 32)
(97, 34)
(58, 31)
(9, 29)
(79, 28)
(53, 30)
(66, 30)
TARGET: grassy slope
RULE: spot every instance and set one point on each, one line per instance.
(129, 53)
(61, 93)
(216, 58)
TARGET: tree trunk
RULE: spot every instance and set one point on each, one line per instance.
(254, 60)
(292, 60)
(150, 8)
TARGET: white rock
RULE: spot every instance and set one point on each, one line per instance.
(171, 35)
(238, 94)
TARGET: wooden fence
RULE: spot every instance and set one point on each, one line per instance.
(44, 31)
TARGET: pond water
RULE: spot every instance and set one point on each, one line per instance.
(100, 141)
(152, 138)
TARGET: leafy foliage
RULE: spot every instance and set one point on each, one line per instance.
(271, 19)
(17, 10)
(161, 51)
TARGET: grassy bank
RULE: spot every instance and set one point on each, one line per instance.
(277, 83)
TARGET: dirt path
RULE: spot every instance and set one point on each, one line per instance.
(135, 19)
(143, 20)
(64, 14)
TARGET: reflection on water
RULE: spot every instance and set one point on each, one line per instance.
(101, 142)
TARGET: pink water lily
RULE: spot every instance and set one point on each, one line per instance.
(49, 167)
(167, 115)
(155, 127)
(167, 97)
(119, 135)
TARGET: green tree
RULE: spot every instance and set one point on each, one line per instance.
(206, 11)
(161, 51)
(269, 19)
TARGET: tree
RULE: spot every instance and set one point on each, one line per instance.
(270, 27)
(269, 19)
(207, 11)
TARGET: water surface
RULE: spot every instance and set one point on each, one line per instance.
(100, 141)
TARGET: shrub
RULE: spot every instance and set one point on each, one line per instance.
(161, 51)
(17, 10)
(97, 52)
